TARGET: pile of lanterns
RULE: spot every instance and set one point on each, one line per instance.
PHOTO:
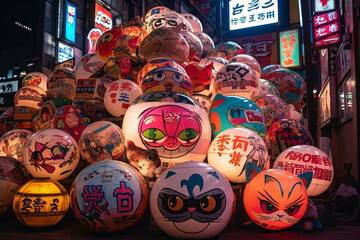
(194, 117)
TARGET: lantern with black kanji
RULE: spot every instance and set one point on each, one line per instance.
(41, 202)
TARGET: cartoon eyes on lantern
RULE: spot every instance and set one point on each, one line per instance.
(295, 90)
(187, 134)
(175, 203)
(293, 210)
(153, 134)
(162, 22)
(157, 33)
(208, 203)
(178, 77)
(159, 76)
(269, 208)
(107, 38)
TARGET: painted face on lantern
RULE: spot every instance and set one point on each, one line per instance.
(172, 130)
(167, 79)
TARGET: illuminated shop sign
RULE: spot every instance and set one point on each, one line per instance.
(248, 13)
(8, 87)
(324, 5)
(65, 52)
(70, 24)
(92, 37)
(290, 48)
(326, 28)
(103, 18)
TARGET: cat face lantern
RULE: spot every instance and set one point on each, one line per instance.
(275, 199)
(191, 200)
(179, 132)
(234, 111)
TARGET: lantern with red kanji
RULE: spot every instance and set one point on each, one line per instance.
(304, 158)
(233, 148)
(109, 196)
(119, 95)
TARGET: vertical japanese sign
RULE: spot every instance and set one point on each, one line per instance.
(290, 48)
(324, 5)
(326, 28)
(103, 18)
(70, 25)
(249, 13)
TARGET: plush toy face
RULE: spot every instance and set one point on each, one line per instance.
(275, 199)
(191, 200)
(200, 75)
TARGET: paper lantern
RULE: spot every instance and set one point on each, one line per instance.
(168, 19)
(269, 68)
(119, 95)
(178, 131)
(51, 153)
(44, 117)
(194, 22)
(195, 45)
(206, 41)
(153, 11)
(12, 143)
(305, 158)
(191, 200)
(93, 109)
(286, 133)
(266, 87)
(41, 202)
(236, 79)
(109, 196)
(273, 107)
(290, 85)
(136, 31)
(203, 101)
(275, 199)
(23, 117)
(88, 65)
(71, 120)
(248, 60)
(62, 83)
(234, 111)
(108, 42)
(233, 148)
(7, 122)
(226, 50)
(30, 96)
(218, 63)
(164, 43)
(164, 75)
(13, 176)
(200, 75)
(101, 140)
(35, 78)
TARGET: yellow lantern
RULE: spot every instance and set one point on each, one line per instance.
(41, 202)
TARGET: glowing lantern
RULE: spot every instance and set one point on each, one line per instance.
(226, 50)
(206, 41)
(266, 87)
(168, 19)
(234, 111)
(136, 31)
(275, 199)
(108, 42)
(119, 95)
(195, 46)
(13, 175)
(41, 202)
(194, 22)
(191, 200)
(88, 65)
(286, 133)
(200, 75)
(62, 83)
(30, 96)
(233, 148)
(305, 158)
(51, 153)
(270, 68)
(172, 124)
(35, 78)
(109, 196)
(101, 140)
(248, 60)
(13, 142)
(149, 15)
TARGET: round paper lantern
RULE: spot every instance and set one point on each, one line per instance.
(194, 22)
(206, 41)
(70, 119)
(286, 133)
(152, 12)
(164, 75)
(164, 43)
(88, 65)
(290, 84)
(94, 109)
(195, 45)
(62, 83)
(23, 117)
(248, 60)
(234, 111)
(35, 78)
(13, 176)
(226, 50)
(119, 95)
(275, 199)
(273, 107)
(266, 87)
(30, 96)
(44, 117)
(164, 96)
(7, 122)
(178, 131)
(270, 68)
(101, 140)
(218, 63)
(12, 143)
(51, 153)
(236, 79)
(192, 200)
(168, 19)
(136, 31)
(233, 148)
(305, 158)
(41, 202)
(108, 42)
(108, 196)
(203, 101)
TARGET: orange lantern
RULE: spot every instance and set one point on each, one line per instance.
(41, 202)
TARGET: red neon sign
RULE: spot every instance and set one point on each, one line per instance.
(103, 18)
(326, 28)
